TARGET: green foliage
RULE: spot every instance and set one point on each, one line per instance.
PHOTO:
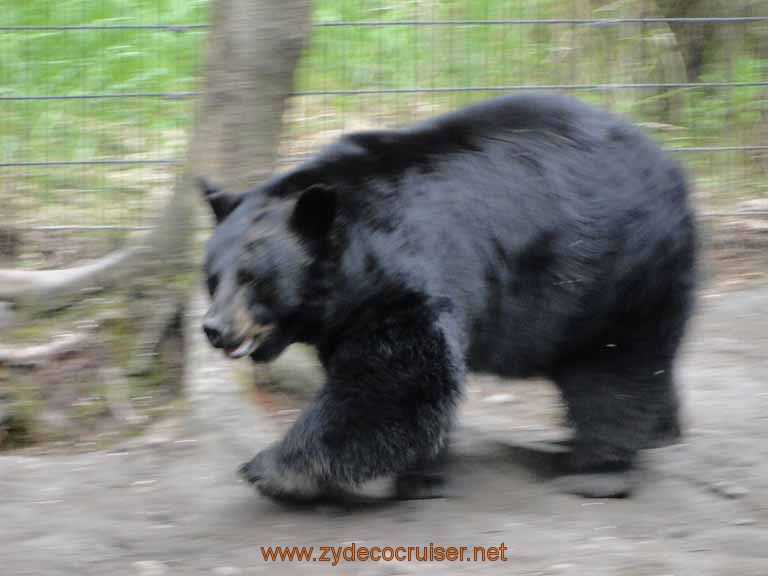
(59, 63)
(347, 58)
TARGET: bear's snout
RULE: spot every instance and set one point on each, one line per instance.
(214, 332)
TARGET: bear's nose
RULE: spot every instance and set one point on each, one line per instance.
(213, 331)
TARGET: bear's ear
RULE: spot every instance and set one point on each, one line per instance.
(220, 202)
(314, 211)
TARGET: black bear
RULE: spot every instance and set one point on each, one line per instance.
(526, 235)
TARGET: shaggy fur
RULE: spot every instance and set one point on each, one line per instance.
(526, 235)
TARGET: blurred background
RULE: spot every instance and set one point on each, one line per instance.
(95, 96)
(120, 428)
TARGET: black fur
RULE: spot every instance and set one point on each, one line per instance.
(527, 235)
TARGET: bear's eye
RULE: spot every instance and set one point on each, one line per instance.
(213, 283)
(262, 291)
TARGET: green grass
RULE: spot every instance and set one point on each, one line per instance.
(81, 62)
(388, 57)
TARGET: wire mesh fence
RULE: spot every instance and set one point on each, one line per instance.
(95, 96)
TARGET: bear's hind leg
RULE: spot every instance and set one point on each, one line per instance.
(617, 405)
(667, 428)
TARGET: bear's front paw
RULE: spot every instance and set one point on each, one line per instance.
(276, 480)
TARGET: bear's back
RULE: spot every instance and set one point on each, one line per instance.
(522, 211)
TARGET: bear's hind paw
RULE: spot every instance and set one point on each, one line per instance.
(618, 484)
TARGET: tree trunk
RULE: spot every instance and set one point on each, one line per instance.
(693, 40)
(697, 41)
(253, 50)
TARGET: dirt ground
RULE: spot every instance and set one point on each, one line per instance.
(168, 502)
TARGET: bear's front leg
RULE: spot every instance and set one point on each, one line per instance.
(386, 409)
(267, 472)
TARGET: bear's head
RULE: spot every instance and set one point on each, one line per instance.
(259, 266)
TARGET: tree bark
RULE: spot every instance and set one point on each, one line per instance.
(693, 40)
(697, 41)
(253, 50)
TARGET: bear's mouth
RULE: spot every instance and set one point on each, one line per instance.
(246, 347)
(249, 343)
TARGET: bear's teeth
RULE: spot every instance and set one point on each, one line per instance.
(244, 349)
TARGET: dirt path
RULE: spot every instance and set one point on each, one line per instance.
(169, 502)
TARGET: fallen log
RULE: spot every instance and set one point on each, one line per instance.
(36, 354)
